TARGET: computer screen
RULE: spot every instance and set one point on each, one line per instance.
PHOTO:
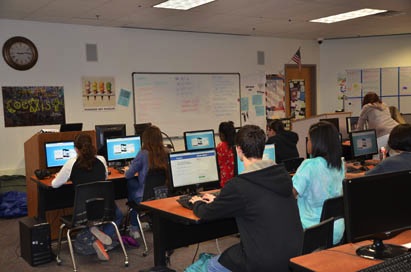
(71, 127)
(269, 154)
(352, 123)
(334, 121)
(199, 139)
(377, 207)
(363, 144)
(193, 169)
(407, 117)
(58, 153)
(104, 132)
(139, 128)
(123, 148)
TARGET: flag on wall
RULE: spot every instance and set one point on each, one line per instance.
(297, 58)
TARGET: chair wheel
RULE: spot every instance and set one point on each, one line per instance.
(58, 261)
(145, 254)
(126, 263)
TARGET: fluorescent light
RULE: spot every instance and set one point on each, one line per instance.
(347, 16)
(182, 4)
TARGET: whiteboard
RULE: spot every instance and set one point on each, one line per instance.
(178, 102)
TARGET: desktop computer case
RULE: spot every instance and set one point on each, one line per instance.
(35, 241)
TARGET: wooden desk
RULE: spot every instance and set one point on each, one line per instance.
(62, 198)
(341, 258)
(175, 226)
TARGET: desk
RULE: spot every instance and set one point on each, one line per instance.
(63, 197)
(341, 258)
(175, 226)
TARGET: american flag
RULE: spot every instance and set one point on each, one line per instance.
(297, 58)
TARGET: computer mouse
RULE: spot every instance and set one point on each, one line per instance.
(109, 172)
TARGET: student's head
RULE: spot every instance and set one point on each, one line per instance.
(400, 138)
(275, 127)
(251, 140)
(370, 97)
(226, 131)
(86, 152)
(153, 142)
(324, 141)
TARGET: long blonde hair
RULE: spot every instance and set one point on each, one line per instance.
(396, 115)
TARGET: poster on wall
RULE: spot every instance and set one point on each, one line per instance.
(274, 97)
(98, 93)
(297, 98)
(33, 105)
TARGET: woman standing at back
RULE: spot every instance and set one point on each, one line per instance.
(320, 177)
(225, 151)
(152, 156)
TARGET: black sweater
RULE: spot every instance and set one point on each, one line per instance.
(267, 218)
(285, 145)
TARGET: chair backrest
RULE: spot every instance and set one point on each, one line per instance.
(93, 201)
(333, 207)
(155, 185)
(319, 236)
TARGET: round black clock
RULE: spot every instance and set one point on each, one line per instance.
(20, 53)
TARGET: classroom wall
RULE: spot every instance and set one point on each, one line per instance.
(338, 55)
(62, 62)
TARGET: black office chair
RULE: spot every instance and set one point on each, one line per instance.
(93, 206)
(334, 207)
(154, 188)
(318, 237)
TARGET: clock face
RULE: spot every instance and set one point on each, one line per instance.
(20, 53)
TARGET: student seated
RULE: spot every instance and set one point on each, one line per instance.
(285, 141)
(320, 177)
(262, 203)
(225, 151)
(399, 142)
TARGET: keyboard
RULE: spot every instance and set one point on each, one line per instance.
(400, 263)
(361, 169)
(120, 169)
(184, 201)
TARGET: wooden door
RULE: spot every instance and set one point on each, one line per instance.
(306, 76)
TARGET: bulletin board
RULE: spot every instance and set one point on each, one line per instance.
(178, 102)
(392, 84)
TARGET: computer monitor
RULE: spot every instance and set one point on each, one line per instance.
(194, 169)
(352, 123)
(104, 132)
(199, 139)
(58, 153)
(123, 149)
(407, 117)
(334, 121)
(363, 144)
(269, 154)
(71, 127)
(377, 207)
(139, 128)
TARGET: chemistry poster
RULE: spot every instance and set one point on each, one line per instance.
(33, 105)
(98, 93)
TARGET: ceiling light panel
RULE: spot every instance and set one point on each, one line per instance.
(182, 4)
(347, 16)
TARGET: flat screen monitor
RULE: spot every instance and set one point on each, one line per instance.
(352, 123)
(199, 139)
(71, 127)
(377, 207)
(104, 132)
(58, 153)
(363, 144)
(139, 128)
(334, 121)
(191, 170)
(407, 117)
(269, 154)
(123, 148)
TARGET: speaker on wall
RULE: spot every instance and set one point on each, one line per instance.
(35, 241)
(260, 57)
(91, 52)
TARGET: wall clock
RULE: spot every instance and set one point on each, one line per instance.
(20, 53)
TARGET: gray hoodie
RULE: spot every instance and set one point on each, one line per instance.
(378, 117)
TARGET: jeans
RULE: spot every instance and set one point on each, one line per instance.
(215, 266)
(109, 228)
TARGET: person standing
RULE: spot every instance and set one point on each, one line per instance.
(262, 203)
(225, 151)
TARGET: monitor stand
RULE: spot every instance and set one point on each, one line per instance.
(379, 250)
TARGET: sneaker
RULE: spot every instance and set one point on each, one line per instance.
(135, 234)
(101, 236)
(101, 252)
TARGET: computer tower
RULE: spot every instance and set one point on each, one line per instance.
(35, 241)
